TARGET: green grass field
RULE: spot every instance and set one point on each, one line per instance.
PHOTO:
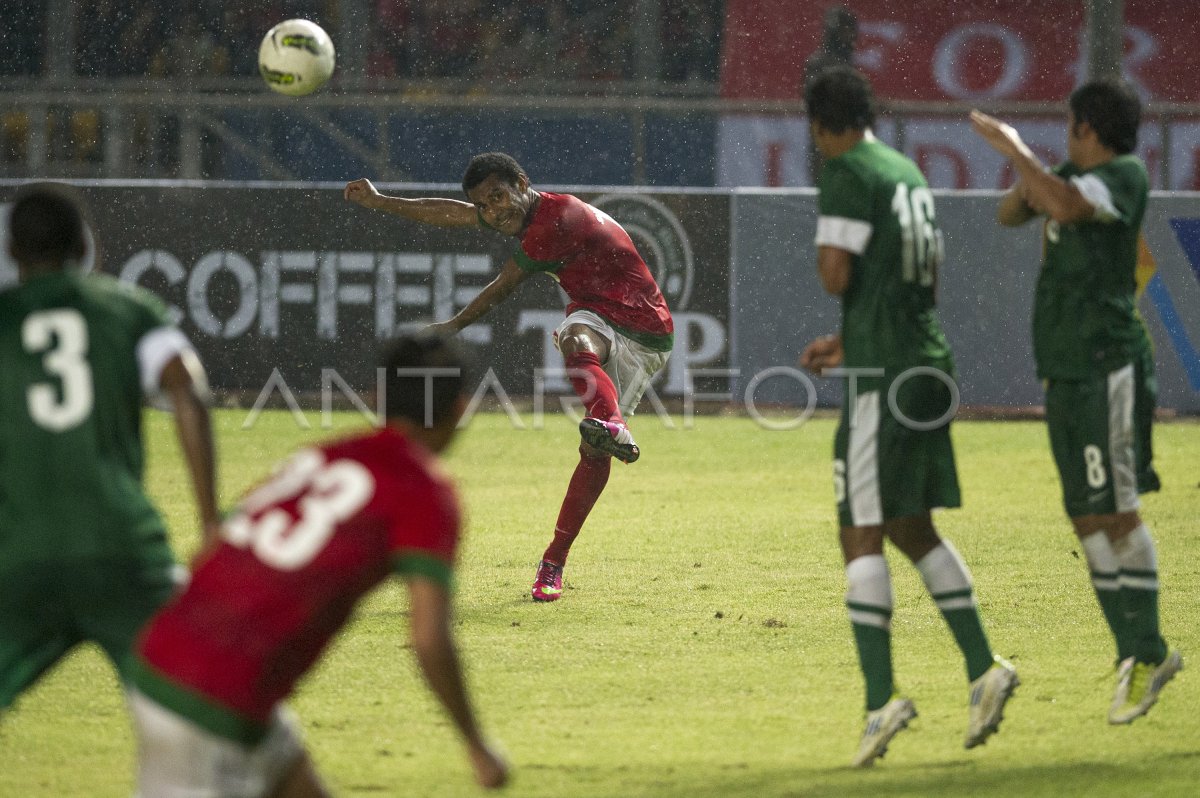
(701, 648)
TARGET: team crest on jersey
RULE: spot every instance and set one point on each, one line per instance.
(660, 239)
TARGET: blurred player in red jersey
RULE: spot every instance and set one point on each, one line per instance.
(617, 333)
(213, 667)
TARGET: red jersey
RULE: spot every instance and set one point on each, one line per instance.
(595, 261)
(294, 560)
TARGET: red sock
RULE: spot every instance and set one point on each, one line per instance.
(587, 377)
(587, 483)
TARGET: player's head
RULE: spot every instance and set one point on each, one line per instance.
(1112, 109)
(47, 228)
(425, 375)
(499, 189)
(839, 99)
(486, 164)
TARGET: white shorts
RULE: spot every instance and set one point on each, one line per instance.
(178, 759)
(630, 365)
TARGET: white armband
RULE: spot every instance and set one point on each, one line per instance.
(851, 235)
(155, 350)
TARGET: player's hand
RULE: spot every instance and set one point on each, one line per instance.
(360, 191)
(823, 353)
(1003, 138)
(491, 771)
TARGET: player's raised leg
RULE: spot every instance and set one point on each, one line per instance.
(585, 351)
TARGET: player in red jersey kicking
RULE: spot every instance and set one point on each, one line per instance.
(617, 333)
(212, 669)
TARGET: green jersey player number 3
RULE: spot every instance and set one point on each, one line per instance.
(60, 336)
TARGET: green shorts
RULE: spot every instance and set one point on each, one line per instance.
(47, 608)
(1100, 432)
(885, 467)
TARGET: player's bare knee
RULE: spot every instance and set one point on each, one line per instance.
(572, 344)
(578, 338)
(1115, 525)
(860, 541)
(915, 536)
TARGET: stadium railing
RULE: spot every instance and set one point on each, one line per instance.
(134, 128)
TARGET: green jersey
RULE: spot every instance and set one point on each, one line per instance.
(1085, 319)
(73, 352)
(874, 203)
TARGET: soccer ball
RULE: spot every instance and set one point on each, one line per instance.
(296, 57)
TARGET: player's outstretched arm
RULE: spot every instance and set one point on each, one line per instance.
(439, 211)
(511, 275)
(1043, 190)
(184, 384)
(438, 658)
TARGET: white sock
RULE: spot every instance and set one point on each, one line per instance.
(1101, 560)
(946, 577)
(869, 591)
(1138, 559)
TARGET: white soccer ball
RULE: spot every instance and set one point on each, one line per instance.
(296, 57)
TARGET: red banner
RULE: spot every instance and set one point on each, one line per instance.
(965, 50)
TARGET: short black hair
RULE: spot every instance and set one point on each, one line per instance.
(1113, 109)
(425, 374)
(47, 223)
(492, 163)
(839, 98)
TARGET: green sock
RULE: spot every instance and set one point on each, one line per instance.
(1112, 605)
(967, 628)
(875, 659)
(949, 582)
(1140, 606)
